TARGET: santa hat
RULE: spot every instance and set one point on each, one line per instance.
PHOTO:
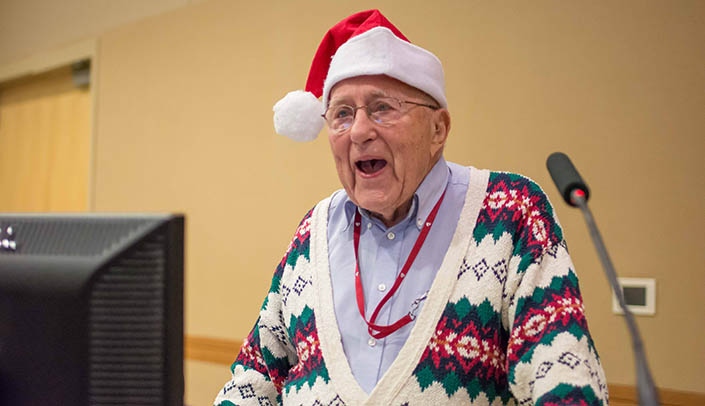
(365, 43)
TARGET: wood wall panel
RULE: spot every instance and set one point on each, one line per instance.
(44, 144)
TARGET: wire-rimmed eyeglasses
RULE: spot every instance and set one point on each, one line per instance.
(384, 111)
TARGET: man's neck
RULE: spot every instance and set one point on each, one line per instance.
(396, 216)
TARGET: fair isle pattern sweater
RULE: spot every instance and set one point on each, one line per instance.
(503, 323)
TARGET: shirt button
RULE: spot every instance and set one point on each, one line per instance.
(369, 225)
(371, 342)
(391, 235)
(381, 287)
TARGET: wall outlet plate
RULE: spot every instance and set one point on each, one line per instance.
(639, 296)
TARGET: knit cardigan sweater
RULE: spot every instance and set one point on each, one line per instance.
(503, 322)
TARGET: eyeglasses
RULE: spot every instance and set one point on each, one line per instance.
(384, 111)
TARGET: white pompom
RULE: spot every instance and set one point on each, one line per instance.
(298, 116)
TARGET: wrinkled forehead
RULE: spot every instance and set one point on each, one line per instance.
(364, 88)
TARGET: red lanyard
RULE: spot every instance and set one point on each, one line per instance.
(375, 330)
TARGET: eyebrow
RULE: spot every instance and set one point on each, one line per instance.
(375, 94)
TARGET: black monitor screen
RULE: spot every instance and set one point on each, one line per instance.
(91, 309)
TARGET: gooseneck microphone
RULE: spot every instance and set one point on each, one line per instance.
(576, 193)
(566, 177)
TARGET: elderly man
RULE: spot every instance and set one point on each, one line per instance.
(422, 281)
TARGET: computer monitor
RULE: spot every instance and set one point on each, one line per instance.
(91, 309)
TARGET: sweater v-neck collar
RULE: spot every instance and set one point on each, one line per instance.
(403, 366)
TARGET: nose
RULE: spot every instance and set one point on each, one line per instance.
(362, 128)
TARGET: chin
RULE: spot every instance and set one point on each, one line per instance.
(379, 199)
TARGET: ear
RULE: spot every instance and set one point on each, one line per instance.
(440, 126)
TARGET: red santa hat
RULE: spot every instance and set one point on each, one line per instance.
(365, 43)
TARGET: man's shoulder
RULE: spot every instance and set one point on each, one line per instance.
(515, 203)
(461, 174)
(514, 179)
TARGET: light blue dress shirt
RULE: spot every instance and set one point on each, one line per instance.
(382, 253)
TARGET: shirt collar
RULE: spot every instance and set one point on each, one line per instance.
(425, 197)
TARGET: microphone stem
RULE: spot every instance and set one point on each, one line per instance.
(646, 388)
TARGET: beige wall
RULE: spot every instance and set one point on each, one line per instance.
(32, 27)
(183, 123)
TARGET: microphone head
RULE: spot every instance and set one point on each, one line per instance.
(566, 177)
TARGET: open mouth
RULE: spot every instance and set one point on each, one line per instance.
(371, 166)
